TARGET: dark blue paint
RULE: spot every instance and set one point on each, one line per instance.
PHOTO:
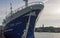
(18, 29)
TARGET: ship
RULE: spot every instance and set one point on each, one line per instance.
(21, 24)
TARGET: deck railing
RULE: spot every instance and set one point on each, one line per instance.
(20, 8)
(29, 4)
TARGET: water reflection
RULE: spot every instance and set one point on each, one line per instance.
(47, 35)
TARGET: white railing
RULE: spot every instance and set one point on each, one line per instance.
(20, 8)
(29, 4)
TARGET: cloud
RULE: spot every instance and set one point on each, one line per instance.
(54, 1)
(5, 7)
(50, 14)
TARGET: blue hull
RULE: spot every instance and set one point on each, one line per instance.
(15, 28)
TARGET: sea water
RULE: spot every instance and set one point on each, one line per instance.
(46, 35)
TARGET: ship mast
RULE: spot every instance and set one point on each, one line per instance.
(11, 8)
(26, 3)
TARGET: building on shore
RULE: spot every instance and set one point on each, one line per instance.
(47, 29)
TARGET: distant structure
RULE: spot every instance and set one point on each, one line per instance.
(43, 25)
(47, 29)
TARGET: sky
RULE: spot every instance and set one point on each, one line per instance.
(50, 15)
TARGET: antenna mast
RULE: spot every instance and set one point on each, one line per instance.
(26, 3)
(11, 8)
